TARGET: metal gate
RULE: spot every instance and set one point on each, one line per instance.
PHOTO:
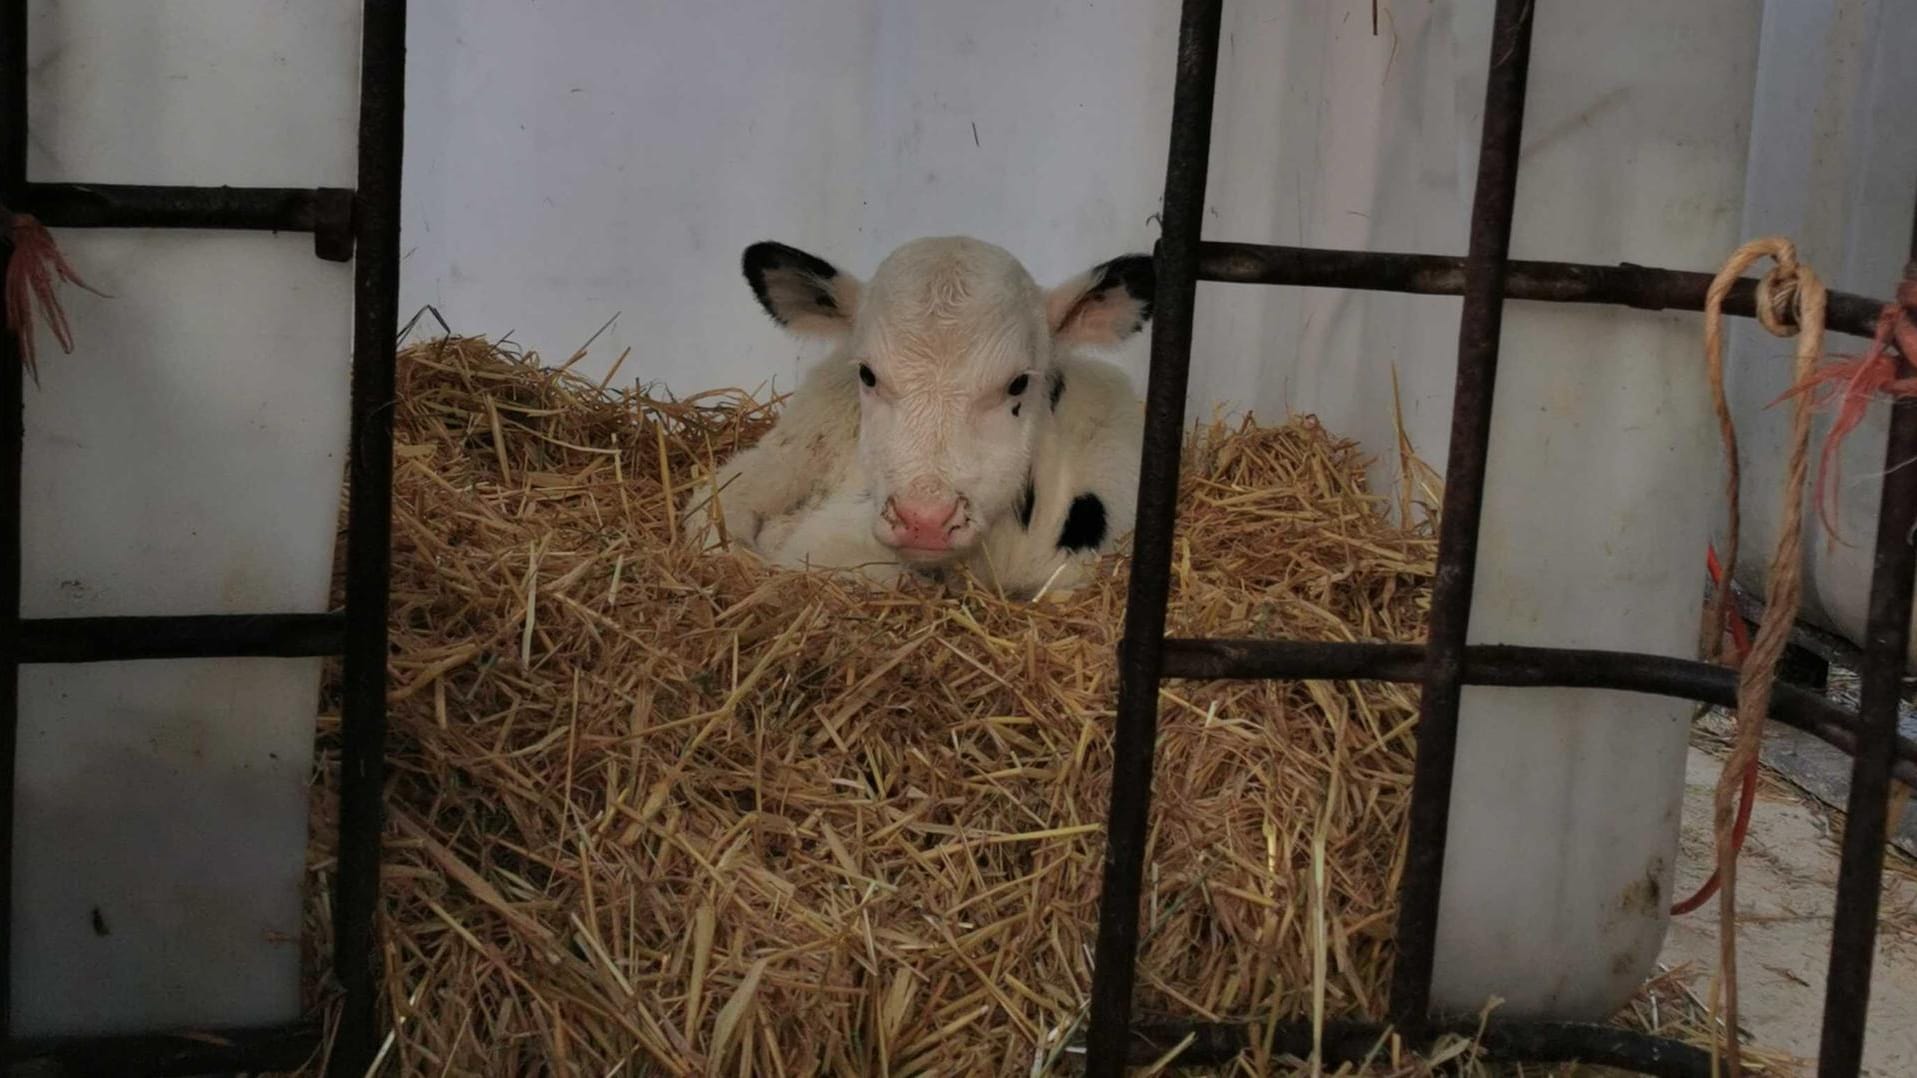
(361, 225)
(1485, 278)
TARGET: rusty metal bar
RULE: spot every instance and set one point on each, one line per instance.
(369, 528)
(1492, 207)
(1626, 285)
(1346, 1042)
(326, 212)
(1521, 667)
(192, 636)
(1860, 874)
(1176, 271)
(198, 1052)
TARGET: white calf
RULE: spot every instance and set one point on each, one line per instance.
(953, 424)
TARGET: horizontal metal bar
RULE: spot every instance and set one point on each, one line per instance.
(1519, 667)
(268, 1049)
(119, 205)
(327, 212)
(203, 636)
(1215, 1043)
(1554, 282)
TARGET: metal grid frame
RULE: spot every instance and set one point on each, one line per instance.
(1485, 278)
(360, 225)
(363, 224)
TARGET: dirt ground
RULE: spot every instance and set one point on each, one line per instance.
(1786, 891)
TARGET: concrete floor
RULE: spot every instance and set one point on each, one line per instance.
(1786, 889)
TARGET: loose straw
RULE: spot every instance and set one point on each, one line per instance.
(721, 817)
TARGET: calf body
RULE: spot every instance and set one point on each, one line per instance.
(953, 424)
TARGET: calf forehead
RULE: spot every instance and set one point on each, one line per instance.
(951, 282)
(954, 304)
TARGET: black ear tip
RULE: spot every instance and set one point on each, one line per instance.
(1140, 274)
(1137, 274)
(771, 267)
(767, 255)
(758, 260)
(760, 257)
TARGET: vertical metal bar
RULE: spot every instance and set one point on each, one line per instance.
(13, 181)
(1860, 874)
(369, 530)
(1142, 652)
(1478, 332)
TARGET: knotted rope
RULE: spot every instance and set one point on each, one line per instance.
(1789, 293)
(33, 271)
(1790, 288)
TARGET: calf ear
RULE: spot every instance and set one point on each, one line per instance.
(801, 292)
(1103, 305)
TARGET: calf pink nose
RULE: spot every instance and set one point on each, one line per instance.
(926, 525)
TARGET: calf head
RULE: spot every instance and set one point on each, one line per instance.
(953, 350)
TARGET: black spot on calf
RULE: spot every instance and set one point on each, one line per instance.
(1027, 504)
(1084, 524)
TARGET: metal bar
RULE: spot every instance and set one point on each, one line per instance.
(1805, 636)
(120, 205)
(200, 636)
(1886, 643)
(356, 962)
(1217, 1043)
(325, 211)
(1175, 287)
(1520, 667)
(13, 176)
(271, 1049)
(1493, 203)
(1548, 282)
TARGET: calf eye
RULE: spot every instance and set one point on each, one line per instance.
(866, 376)
(1018, 385)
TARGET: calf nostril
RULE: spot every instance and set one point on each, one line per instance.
(933, 518)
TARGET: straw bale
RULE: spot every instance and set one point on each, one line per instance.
(654, 811)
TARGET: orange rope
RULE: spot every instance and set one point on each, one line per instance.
(1747, 792)
(1789, 288)
(1849, 385)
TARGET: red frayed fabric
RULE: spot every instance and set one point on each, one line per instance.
(1847, 386)
(36, 268)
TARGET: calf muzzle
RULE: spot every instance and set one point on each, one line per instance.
(924, 525)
